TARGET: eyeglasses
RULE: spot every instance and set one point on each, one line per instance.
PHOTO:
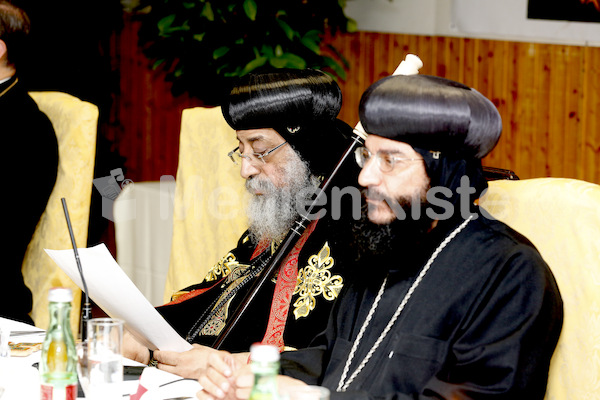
(385, 162)
(236, 156)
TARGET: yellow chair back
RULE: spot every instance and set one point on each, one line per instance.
(75, 123)
(209, 206)
(561, 217)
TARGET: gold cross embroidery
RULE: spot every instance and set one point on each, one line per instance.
(222, 268)
(315, 279)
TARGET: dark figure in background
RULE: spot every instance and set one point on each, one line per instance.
(289, 140)
(28, 135)
(452, 304)
(81, 66)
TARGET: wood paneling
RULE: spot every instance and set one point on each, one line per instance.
(548, 96)
(146, 118)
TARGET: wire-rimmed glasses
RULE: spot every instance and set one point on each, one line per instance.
(386, 162)
(236, 156)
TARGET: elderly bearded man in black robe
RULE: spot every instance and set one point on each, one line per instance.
(453, 304)
(289, 140)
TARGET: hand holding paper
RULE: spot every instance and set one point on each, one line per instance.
(112, 290)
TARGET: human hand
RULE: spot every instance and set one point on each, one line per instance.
(188, 364)
(289, 386)
(222, 381)
(227, 376)
(134, 350)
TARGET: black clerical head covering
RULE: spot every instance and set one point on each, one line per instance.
(451, 125)
(301, 105)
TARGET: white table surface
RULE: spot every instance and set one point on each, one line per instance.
(20, 379)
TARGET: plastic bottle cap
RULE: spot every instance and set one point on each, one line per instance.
(60, 295)
(264, 352)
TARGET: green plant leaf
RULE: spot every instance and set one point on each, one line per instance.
(295, 61)
(220, 52)
(221, 68)
(335, 66)
(164, 24)
(277, 62)
(237, 72)
(288, 60)
(252, 65)
(250, 9)
(207, 12)
(230, 38)
(287, 29)
(265, 50)
(178, 72)
(278, 51)
(351, 25)
(157, 63)
(311, 44)
(313, 35)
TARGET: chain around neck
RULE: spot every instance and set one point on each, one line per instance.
(343, 384)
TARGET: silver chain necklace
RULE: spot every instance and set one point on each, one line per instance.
(343, 384)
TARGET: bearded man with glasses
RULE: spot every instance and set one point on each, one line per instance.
(455, 305)
(289, 141)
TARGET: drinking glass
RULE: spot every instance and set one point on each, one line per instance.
(4, 338)
(83, 371)
(104, 359)
(4, 355)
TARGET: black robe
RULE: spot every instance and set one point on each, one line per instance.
(31, 160)
(323, 265)
(482, 324)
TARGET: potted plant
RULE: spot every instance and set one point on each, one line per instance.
(203, 44)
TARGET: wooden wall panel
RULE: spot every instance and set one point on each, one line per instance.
(146, 118)
(589, 112)
(548, 96)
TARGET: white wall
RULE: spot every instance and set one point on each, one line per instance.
(487, 19)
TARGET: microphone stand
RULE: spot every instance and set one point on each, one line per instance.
(86, 309)
(409, 66)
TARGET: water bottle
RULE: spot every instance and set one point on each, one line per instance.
(58, 364)
(264, 362)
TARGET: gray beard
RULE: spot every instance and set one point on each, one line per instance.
(272, 214)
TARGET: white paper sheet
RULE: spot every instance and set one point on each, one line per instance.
(112, 290)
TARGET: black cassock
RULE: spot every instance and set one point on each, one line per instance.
(323, 269)
(31, 162)
(482, 324)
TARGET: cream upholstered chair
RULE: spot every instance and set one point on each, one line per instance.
(75, 123)
(209, 211)
(561, 217)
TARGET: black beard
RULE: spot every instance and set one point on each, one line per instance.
(400, 237)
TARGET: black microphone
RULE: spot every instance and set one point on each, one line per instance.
(86, 309)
